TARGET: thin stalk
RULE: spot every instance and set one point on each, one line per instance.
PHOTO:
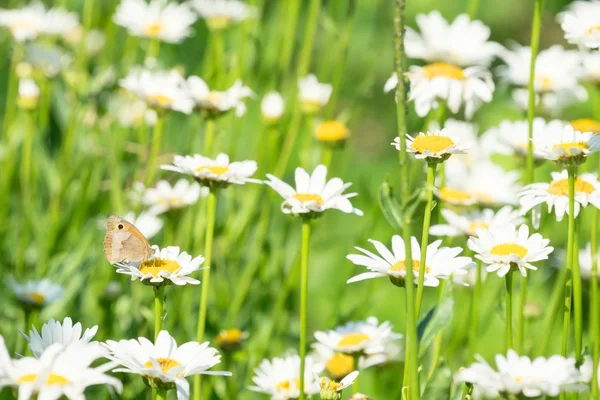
(474, 328)
(153, 49)
(308, 41)
(303, 299)
(13, 84)
(355, 363)
(156, 139)
(159, 299)
(411, 361)
(209, 136)
(595, 327)
(569, 286)
(30, 320)
(289, 34)
(509, 301)
(473, 8)
(327, 155)
(211, 208)
(130, 53)
(431, 167)
(26, 155)
(288, 142)
(577, 292)
(161, 394)
(218, 58)
(437, 341)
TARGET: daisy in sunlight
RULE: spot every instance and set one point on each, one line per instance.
(216, 103)
(441, 262)
(34, 20)
(221, 14)
(567, 147)
(65, 333)
(272, 107)
(466, 224)
(433, 146)
(313, 94)
(580, 24)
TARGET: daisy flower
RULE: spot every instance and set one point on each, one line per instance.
(130, 111)
(505, 248)
(166, 21)
(313, 193)
(469, 87)
(165, 197)
(587, 370)
(280, 377)
(34, 20)
(591, 67)
(556, 194)
(220, 14)
(163, 364)
(214, 173)
(28, 94)
(433, 146)
(462, 42)
(160, 90)
(272, 107)
(332, 390)
(216, 103)
(313, 94)
(231, 339)
(54, 332)
(331, 132)
(440, 262)
(146, 222)
(486, 381)
(60, 22)
(166, 266)
(60, 371)
(580, 24)
(566, 147)
(467, 224)
(36, 293)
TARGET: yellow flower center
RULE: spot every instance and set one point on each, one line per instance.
(160, 100)
(455, 196)
(586, 125)
(25, 25)
(328, 384)
(155, 265)
(561, 187)
(340, 365)
(593, 29)
(153, 30)
(308, 197)
(443, 70)
(473, 226)
(173, 202)
(165, 363)
(506, 249)
(571, 145)
(484, 198)
(53, 380)
(37, 298)
(230, 336)
(215, 97)
(286, 386)
(401, 266)
(215, 169)
(218, 22)
(545, 83)
(353, 339)
(434, 143)
(331, 131)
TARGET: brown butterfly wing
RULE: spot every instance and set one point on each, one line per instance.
(124, 242)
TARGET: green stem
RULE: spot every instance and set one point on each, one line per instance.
(159, 299)
(209, 136)
(288, 142)
(577, 292)
(218, 58)
(30, 320)
(327, 155)
(474, 329)
(13, 84)
(153, 49)
(431, 167)
(156, 139)
(211, 208)
(473, 8)
(161, 394)
(309, 37)
(289, 34)
(437, 342)
(303, 299)
(509, 301)
(569, 286)
(355, 364)
(595, 327)
(26, 156)
(130, 53)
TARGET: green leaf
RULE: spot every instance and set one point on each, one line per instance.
(434, 321)
(438, 386)
(389, 206)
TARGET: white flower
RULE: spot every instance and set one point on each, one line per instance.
(485, 380)
(313, 94)
(36, 293)
(360, 337)
(556, 194)
(34, 20)
(504, 247)
(54, 332)
(217, 102)
(456, 86)
(165, 197)
(220, 14)
(217, 172)
(280, 377)
(165, 266)
(313, 193)
(272, 106)
(60, 22)
(131, 111)
(160, 90)
(60, 371)
(146, 222)
(433, 146)
(580, 24)
(591, 66)
(587, 370)
(439, 264)
(567, 145)
(331, 390)
(166, 21)
(466, 224)
(29, 94)
(163, 362)
(462, 43)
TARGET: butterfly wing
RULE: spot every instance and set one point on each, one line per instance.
(124, 242)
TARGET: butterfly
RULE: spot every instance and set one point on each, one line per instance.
(124, 242)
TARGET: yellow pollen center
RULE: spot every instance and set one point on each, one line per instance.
(37, 298)
(52, 380)
(331, 131)
(586, 125)
(353, 339)
(155, 265)
(286, 386)
(561, 187)
(153, 30)
(455, 196)
(229, 336)
(443, 70)
(478, 225)
(545, 83)
(214, 97)
(506, 249)
(401, 266)
(340, 365)
(328, 384)
(433, 143)
(215, 169)
(308, 197)
(165, 363)
(593, 29)
(159, 100)
(571, 145)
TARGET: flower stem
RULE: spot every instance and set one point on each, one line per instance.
(159, 298)
(13, 84)
(411, 361)
(153, 49)
(209, 136)
(211, 208)
(26, 155)
(308, 41)
(290, 22)
(569, 286)
(473, 8)
(595, 327)
(473, 332)
(425, 235)
(327, 155)
(161, 394)
(437, 341)
(577, 293)
(156, 139)
(509, 301)
(303, 299)
(355, 364)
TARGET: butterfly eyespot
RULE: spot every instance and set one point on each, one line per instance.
(120, 226)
